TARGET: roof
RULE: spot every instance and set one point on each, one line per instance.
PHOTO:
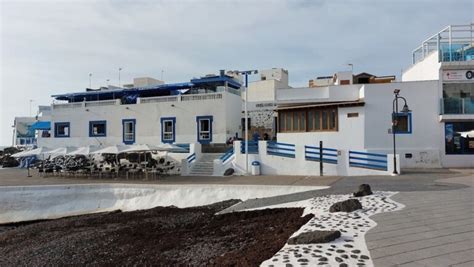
(154, 90)
(324, 104)
(41, 125)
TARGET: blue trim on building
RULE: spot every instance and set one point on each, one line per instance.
(56, 124)
(134, 121)
(410, 125)
(91, 133)
(173, 119)
(198, 119)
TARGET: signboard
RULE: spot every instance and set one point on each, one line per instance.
(458, 75)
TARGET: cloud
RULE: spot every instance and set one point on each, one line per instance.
(50, 47)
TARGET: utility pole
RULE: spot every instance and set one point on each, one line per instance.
(246, 73)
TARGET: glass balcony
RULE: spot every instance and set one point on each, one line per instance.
(453, 105)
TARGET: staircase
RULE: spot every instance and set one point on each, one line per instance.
(204, 166)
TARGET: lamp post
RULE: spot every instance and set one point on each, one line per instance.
(405, 110)
(120, 69)
(90, 80)
(246, 73)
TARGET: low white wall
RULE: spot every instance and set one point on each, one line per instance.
(278, 165)
(23, 203)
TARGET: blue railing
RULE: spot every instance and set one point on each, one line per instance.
(191, 158)
(329, 155)
(368, 160)
(281, 149)
(253, 147)
(227, 155)
(184, 146)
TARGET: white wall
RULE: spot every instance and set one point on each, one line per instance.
(319, 94)
(264, 90)
(427, 69)
(148, 125)
(350, 134)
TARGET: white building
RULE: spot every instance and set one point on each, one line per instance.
(352, 114)
(204, 110)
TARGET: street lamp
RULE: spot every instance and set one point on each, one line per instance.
(405, 110)
(246, 73)
(120, 69)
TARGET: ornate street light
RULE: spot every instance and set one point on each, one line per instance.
(404, 110)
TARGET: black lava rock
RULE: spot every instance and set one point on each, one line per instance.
(229, 172)
(346, 206)
(364, 190)
(315, 237)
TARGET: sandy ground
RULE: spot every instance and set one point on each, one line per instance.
(167, 236)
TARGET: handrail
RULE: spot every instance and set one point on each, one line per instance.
(191, 158)
(281, 149)
(328, 154)
(252, 146)
(378, 163)
(227, 155)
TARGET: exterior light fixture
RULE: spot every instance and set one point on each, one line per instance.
(404, 110)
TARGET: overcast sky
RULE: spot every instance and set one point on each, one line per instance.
(50, 47)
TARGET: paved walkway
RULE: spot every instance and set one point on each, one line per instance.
(436, 228)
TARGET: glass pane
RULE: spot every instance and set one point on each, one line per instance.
(168, 126)
(317, 120)
(310, 120)
(303, 121)
(295, 121)
(325, 119)
(204, 125)
(402, 124)
(281, 122)
(288, 121)
(332, 120)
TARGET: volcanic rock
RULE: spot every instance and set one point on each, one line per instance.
(346, 206)
(314, 237)
(364, 190)
(229, 172)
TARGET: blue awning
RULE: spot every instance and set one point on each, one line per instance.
(41, 125)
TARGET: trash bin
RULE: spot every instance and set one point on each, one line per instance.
(255, 168)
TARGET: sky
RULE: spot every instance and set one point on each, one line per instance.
(50, 47)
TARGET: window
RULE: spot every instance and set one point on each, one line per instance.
(168, 134)
(308, 120)
(61, 129)
(97, 128)
(128, 131)
(455, 141)
(403, 123)
(204, 129)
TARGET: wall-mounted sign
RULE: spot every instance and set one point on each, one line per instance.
(458, 75)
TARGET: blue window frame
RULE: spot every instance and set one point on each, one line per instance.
(168, 130)
(128, 131)
(62, 129)
(204, 129)
(97, 128)
(404, 124)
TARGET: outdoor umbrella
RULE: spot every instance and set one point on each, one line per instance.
(170, 147)
(61, 151)
(115, 149)
(34, 152)
(85, 150)
(468, 134)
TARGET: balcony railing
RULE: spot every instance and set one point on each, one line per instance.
(457, 105)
